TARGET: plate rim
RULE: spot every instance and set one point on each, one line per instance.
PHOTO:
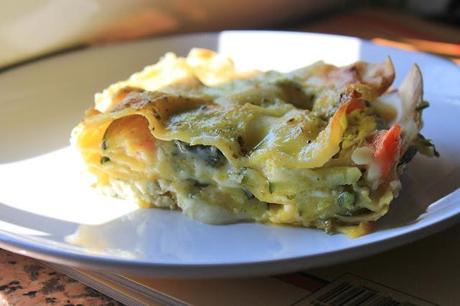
(22, 246)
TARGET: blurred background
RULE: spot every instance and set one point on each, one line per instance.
(35, 28)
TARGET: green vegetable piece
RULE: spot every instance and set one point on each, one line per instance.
(209, 154)
(422, 106)
(425, 146)
(346, 200)
(408, 156)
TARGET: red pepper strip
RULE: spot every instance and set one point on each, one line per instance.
(387, 148)
(354, 104)
(352, 99)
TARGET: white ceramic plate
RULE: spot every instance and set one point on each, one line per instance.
(43, 198)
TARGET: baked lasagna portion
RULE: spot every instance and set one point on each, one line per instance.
(321, 146)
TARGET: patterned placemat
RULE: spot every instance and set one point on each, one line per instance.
(26, 281)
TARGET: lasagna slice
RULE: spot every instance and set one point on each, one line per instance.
(322, 146)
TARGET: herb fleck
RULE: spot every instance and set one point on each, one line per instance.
(248, 194)
(104, 159)
(270, 187)
(104, 145)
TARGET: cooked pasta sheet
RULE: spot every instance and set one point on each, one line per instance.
(321, 146)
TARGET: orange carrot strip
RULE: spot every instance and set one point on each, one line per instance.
(387, 148)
